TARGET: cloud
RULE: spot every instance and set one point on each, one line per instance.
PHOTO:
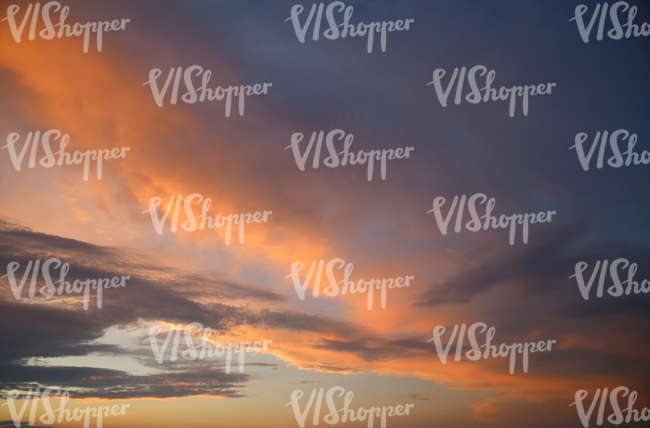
(54, 327)
(44, 328)
(87, 382)
(417, 397)
(241, 164)
(541, 267)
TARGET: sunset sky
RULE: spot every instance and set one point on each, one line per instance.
(244, 293)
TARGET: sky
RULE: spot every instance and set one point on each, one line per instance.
(386, 228)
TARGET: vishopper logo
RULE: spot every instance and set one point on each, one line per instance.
(616, 161)
(617, 288)
(490, 93)
(617, 416)
(49, 160)
(204, 346)
(615, 33)
(348, 414)
(333, 160)
(476, 354)
(48, 33)
(66, 415)
(49, 289)
(191, 225)
(361, 286)
(333, 32)
(191, 96)
(491, 222)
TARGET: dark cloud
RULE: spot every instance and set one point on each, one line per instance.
(12, 424)
(46, 329)
(374, 348)
(86, 382)
(541, 267)
(416, 397)
(91, 261)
